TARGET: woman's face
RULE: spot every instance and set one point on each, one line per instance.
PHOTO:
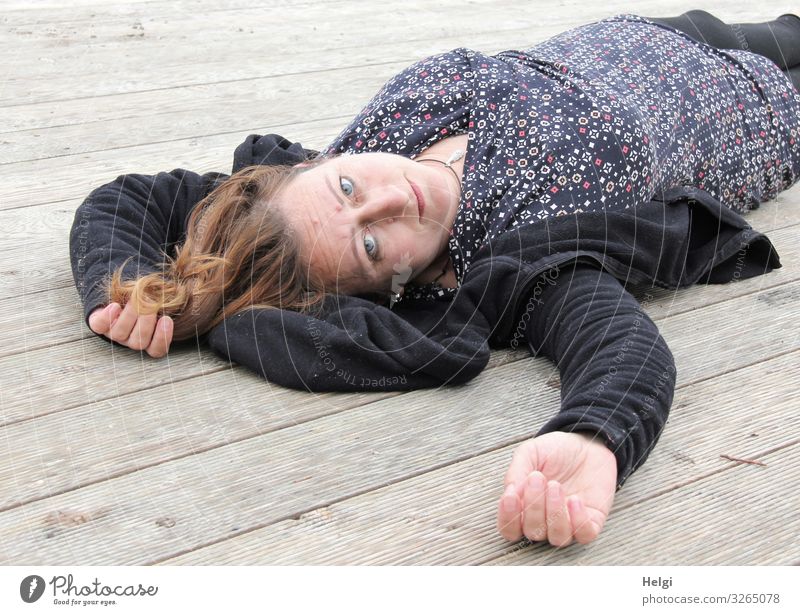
(358, 219)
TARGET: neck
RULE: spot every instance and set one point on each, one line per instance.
(438, 155)
(434, 271)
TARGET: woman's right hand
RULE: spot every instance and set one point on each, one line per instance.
(138, 332)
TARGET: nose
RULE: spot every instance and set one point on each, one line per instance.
(383, 203)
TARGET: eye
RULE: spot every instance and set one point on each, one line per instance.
(347, 186)
(371, 247)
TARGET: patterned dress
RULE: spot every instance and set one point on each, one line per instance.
(602, 116)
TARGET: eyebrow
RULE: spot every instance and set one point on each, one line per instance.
(356, 251)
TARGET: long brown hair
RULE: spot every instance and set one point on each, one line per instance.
(239, 253)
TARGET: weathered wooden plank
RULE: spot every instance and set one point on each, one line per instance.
(211, 105)
(328, 24)
(197, 14)
(89, 46)
(40, 9)
(71, 178)
(258, 480)
(150, 514)
(98, 62)
(129, 432)
(47, 380)
(31, 25)
(447, 516)
(187, 112)
(36, 268)
(101, 76)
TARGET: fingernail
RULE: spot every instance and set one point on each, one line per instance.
(576, 503)
(535, 479)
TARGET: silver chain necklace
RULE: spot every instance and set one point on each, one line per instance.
(454, 157)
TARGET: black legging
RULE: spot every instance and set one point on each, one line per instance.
(778, 40)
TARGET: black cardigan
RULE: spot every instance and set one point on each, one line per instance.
(557, 286)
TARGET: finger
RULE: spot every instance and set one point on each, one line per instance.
(522, 462)
(533, 507)
(583, 528)
(508, 515)
(100, 319)
(121, 328)
(162, 338)
(559, 525)
(142, 331)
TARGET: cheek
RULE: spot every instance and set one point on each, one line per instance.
(412, 246)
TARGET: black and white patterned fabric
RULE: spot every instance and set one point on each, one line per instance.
(602, 116)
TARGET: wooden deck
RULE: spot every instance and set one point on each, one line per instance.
(110, 457)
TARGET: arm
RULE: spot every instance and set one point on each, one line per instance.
(617, 373)
(617, 384)
(355, 345)
(136, 215)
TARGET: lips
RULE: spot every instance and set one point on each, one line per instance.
(420, 199)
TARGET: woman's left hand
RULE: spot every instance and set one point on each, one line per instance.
(560, 486)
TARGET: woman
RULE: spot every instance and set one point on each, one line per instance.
(455, 154)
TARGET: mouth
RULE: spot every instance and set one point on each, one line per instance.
(420, 199)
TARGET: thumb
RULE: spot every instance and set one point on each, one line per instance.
(522, 464)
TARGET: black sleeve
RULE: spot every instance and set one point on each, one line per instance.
(617, 373)
(143, 216)
(355, 345)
